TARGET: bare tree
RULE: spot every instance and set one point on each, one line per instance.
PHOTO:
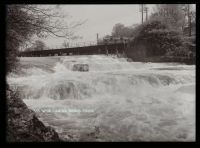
(39, 45)
(65, 44)
(170, 14)
(25, 21)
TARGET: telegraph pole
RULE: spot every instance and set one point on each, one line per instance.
(146, 11)
(189, 20)
(97, 38)
(142, 10)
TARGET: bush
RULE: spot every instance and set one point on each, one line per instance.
(158, 38)
(11, 55)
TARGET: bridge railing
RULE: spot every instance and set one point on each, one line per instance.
(82, 44)
(88, 48)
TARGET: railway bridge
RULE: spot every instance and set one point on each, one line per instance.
(115, 48)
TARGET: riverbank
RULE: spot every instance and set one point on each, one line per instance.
(23, 124)
(162, 59)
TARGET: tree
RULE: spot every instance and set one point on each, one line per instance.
(158, 38)
(181, 18)
(170, 14)
(118, 30)
(162, 34)
(65, 45)
(39, 45)
(190, 17)
(25, 21)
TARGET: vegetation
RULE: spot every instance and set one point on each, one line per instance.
(24, 22)
(119, 30)
(23, 124)
(27, 21)
(65, 44)
(170, 14)
(170, 31)
(159, 38)
(38, 45)
(173, 41)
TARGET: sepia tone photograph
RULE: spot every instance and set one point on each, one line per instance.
(100, 72)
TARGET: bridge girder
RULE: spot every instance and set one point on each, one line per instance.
(98, 49)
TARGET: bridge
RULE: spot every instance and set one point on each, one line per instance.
(116, 48)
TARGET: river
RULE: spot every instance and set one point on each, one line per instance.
(115, 100)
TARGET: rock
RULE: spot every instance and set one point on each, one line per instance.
(80, 67)
(129, 60)
(23, 124)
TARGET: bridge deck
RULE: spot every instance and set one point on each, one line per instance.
(87, 50)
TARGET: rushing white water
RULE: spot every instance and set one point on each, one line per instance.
(115, 101)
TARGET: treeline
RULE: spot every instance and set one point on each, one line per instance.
(25, 22)
(37, 46)
(170, 31)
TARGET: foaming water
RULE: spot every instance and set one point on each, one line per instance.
(115, 100)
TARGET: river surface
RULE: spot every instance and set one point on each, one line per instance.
(115, 100)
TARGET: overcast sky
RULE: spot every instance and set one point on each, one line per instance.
(100, 19)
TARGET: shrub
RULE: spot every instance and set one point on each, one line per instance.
(158, 38)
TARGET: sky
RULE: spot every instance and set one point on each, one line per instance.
(100, 19)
